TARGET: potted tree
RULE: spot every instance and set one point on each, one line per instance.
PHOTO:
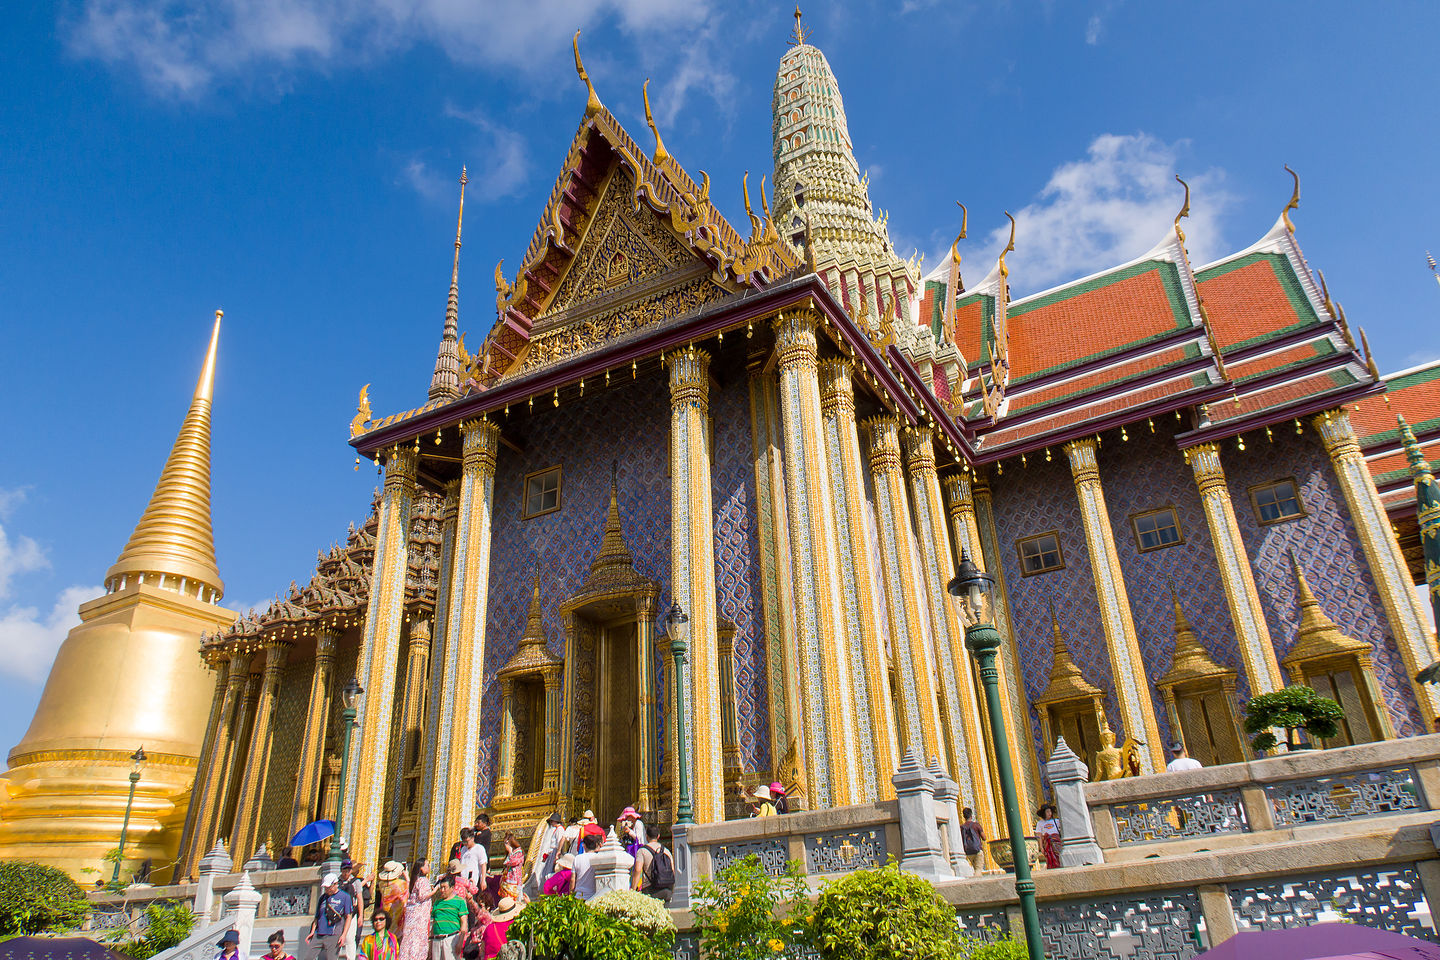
(1294, 708)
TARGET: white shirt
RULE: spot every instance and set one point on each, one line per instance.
(1183, 763)
(472, 863)
(584, 875)
(549, 843)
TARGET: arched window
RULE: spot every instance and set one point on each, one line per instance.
(799, 197)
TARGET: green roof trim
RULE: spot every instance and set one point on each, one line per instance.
(1169, 276)
(1192, 350)
(1289, 282)
(1414, 377)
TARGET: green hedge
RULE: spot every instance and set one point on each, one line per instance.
(35, 898)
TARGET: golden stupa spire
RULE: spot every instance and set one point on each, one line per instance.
(173, 542)
(798, 35)
(1066, 680)
(534, 622)
(1190, 660)
(614, 555)
(445, 383)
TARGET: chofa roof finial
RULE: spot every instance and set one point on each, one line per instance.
(1294, 203)
(592, 102)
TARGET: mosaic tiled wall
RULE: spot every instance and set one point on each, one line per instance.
(628, 423)
(1330, 554)
(292, 701)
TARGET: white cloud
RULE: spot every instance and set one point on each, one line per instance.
(1105, 209)
(1093, 28)
(507, 160)
(182, 48)
(28, 641)
(23, 555)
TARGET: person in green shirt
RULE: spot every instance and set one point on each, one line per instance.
(449, 922)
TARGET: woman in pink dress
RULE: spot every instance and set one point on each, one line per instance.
(415, 939)
(514, 868)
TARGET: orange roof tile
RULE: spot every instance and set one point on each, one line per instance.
(1253, 297)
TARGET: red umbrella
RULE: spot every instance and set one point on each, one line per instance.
(1323, 941)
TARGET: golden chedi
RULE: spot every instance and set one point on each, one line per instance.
(130, 675)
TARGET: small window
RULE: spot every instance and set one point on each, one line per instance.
(1276, 502)
(1156, 529)
(1040, 554)
(542, 493)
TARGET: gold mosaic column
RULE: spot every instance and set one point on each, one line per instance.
(187, 859)
(730, 762)
(669, 764)
(960, 505)
(649, 766)
(417, 675)
(553, 725)
(1256, 649)
(919, 716)
(1131, 688)
(364, 797)
(312, 743)
(780, 655)
(692, 572)
(964, 739)
(457, 735)
(1382, 552)
(828, 726)
(505, 763)
(207, 825)
(984, 508)
(257, 759)
(429, 782)
(869, 672)
(234, 773)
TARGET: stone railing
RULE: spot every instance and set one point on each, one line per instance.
(1265, 801)
(825, 842)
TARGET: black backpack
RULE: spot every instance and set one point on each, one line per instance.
(970, 840)
(661, 872)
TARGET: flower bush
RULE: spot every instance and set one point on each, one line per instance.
(1294, 708)
(566, 928)
(36, 898)
(746, 914)
(884, 913)
(647, 914)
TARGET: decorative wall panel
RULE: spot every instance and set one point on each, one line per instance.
(1156, 926)
(1388, 897)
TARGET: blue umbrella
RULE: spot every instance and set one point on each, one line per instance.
(313, 833)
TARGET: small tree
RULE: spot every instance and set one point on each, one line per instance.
(746, 914)
(1294, 708)
(35, 898)
(167, 924)
(882, 914)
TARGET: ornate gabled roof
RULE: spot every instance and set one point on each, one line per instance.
(533, 655)
(1066, 680)
(1191, 660)
(1415, 395)
(1318, 637)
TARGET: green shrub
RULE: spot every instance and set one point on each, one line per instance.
(1294, 708)
(736, 912)
(1007, 949)
(884, 913)
(567, 927)
(35, 898)
(645, 913)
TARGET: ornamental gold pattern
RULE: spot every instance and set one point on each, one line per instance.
(692, 571)
(257, 754)
(826, 694)
(1387, 565)
(212, 800)
(1256, 649)
(220, 663)
(870, 676)
(439, 708)
(1131, 686)
(312, 738)
(919, 718)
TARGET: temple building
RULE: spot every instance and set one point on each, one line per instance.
(1185, 478)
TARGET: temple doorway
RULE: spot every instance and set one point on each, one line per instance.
(617, 727)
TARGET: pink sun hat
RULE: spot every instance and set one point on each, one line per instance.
(629, 814)
(777, 789)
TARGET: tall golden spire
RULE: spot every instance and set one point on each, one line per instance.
(614, 558)
(797, 37)
(445, 383)
(173, 541)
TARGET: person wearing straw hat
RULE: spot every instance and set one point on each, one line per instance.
(498, 929)
(761, 802)
(562, 881)
(393, 886)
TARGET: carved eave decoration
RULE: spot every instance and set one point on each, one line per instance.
(1191, 661)
(533, 656)
(1066, 681)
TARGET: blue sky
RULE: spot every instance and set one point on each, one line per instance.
(293, 162)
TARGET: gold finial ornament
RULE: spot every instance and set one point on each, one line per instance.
(1294, 203)
(1009, 247)
(661, 154)
(592, 102)
(754, 220)
(1184, 209)
(799, 34)
(362, 412)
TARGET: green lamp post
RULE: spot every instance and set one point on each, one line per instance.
(138, 757)
(679, 626)
(349, 701)
(971, 587)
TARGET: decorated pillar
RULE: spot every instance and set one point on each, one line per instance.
(692, 571)
(649, 765)
(187, 860)
(827, 698)
(990, 543)
(364, 797)
(553, 725)
(212, 804)
(918, 719)
(669, 764)
(729, 723)
(505, 764)
(1257, 652)
(963, 736)
(412, 738)
(1382, 552)
(1131, 687)
(877, 755)
(960, 504)
(780, 660)
(440, 651)
(239, 747)
(257, 760)
(312, 742)
(457, 750)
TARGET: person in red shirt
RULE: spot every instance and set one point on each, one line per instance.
(497, 931)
